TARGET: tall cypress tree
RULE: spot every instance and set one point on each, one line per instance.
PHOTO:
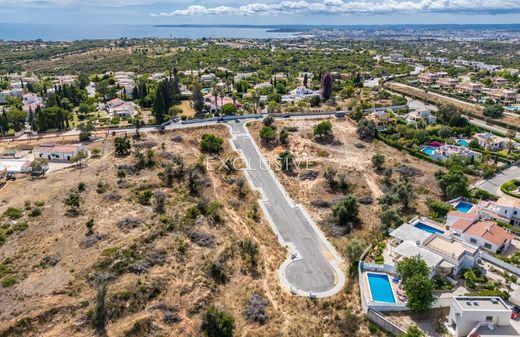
(326, 86)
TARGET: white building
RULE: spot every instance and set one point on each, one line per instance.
(31, 102)
(300, 93)
(484, 234)
(446, 151)
(470, 315)
(423, 115)
(445, 256)
(56, 152)
(120, 108)
(207, 78)
(30, 98)
(490, 141)
(504, 209)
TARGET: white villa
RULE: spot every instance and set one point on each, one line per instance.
(504, 209)
(478, 316)
(31, 102)
(490, 141)
(421, 115)
(446, 151)
(300, 93)
(207, 78)
(446, 256)
(120, 108)
(484, 234)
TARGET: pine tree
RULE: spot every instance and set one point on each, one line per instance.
(135, 93)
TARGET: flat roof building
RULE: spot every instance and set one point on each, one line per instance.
(469, 314)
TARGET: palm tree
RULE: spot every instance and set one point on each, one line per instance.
(215, 95)
(255, 98)
(234, 98)
(222, 95)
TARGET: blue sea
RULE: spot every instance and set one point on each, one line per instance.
(72, 32)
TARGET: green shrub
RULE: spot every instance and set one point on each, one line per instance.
(438, 209)
(8, 281)
(35, 212)
(20, 226)
(500, 293)
(13, 213)
(510, 186)
(379, 259)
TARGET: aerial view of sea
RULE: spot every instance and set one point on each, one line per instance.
(72, 32)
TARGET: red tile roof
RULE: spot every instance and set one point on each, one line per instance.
(461, 224)
(489, 231)
(470, 215)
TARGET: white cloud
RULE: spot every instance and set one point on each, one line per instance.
(333, 7)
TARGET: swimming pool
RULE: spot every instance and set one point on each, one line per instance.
(427, 228)
(428, 150)
(463, 207)
(463, 142)
(380, 288)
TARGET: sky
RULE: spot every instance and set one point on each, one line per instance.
(342, 12)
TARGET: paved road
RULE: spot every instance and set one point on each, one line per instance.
(493, 184)
(312, 265)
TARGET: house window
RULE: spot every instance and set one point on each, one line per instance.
(487, 245)
(473, 240)
(489, 318)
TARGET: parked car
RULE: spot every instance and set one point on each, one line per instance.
(516, 312)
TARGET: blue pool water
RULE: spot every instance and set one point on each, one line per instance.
(428, 150)
(428, 229)
(380, 288)
(463, 142)
(463, 207)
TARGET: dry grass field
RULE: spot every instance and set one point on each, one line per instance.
(162, 270)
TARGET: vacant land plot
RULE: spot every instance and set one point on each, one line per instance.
(350, 158)
(163, 268)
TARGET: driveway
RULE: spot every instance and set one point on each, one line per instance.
(493, 184)
(313, 266)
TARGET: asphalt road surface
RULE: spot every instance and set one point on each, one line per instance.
(493, 184)
(310, 269)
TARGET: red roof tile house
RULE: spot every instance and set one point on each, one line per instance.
(486, 234)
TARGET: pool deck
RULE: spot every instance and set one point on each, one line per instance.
(454, 203)
(368, 294)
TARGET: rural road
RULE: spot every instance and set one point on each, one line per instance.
(313, 266)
